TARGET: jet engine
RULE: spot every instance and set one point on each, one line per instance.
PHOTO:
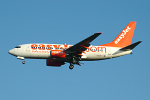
(58, 54)
(56, 63)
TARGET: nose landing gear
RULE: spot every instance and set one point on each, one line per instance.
(23, 62)
(22, 58)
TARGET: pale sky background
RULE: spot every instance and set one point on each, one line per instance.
(70, 21)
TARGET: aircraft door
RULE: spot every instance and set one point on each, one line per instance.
(28, 48)
(28, 54)
(109, 52)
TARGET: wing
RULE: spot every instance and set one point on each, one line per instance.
(77, 49)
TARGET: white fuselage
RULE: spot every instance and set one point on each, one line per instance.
(42, 51)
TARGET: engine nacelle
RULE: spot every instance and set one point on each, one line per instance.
(57, 63)
(58, 54)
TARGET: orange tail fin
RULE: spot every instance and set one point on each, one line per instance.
(124, 38)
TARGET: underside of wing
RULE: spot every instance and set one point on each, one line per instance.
(77, 49)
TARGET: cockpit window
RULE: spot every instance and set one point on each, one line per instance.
(18, 47)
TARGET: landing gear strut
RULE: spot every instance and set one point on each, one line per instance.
(71, 66)
(23, 62)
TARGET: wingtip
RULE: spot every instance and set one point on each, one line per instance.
(98, 33)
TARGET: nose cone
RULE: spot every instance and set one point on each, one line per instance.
(11, 52)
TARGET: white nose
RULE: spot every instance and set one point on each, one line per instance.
(11, 52)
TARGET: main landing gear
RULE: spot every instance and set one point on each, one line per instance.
(71, 66)
(73, 61)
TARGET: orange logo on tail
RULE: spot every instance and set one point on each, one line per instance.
(124, 32)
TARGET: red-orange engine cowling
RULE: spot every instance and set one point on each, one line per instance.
(58, 54)
(50, 62)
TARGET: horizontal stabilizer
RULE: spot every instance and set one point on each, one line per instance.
(130, 47)
(127, 48)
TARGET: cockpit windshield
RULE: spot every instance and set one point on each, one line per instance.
(18, 47)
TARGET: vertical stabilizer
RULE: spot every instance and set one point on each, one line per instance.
(124, 38)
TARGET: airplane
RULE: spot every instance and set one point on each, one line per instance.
(59, 54)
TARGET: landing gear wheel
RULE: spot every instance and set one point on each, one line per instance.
(23, 62)
(71, 67)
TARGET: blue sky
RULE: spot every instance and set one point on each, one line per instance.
(70, 21)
